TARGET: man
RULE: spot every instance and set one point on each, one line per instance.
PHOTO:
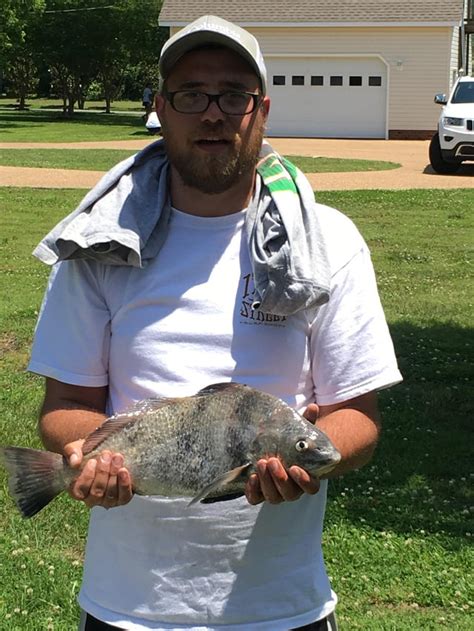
(219, 289)
(147, 100)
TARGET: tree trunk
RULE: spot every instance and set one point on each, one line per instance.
(70, 106)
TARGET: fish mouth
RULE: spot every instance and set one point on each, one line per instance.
(325, 468)
(327, 463)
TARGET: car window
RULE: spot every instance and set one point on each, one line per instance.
(464, 93)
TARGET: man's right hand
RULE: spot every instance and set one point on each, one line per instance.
(103, 481)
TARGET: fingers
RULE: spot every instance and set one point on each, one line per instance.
(306, 483)
(253, 492)
(272, 483)
(103, 482)
(103, 489)
(275, 483)
(125, 490)
(73, 453)
(80, 487)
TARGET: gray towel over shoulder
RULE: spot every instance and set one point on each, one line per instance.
(124, 220)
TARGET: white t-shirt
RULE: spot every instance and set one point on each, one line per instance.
(177, 325)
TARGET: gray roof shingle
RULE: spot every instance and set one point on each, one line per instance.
(253, 12)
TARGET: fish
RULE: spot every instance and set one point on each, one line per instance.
(203, 446)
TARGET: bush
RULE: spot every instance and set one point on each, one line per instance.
(95, 92)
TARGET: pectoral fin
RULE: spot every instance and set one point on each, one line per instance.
(221, 481)
(222, 498)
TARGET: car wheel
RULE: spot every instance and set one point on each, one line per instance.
(439, 164)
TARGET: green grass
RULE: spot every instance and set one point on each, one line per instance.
(57, 104)
(46, 126)
(319, 164)
(398, 533)
(88, 159)
(103, 159)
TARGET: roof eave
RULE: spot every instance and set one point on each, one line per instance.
(244, 24)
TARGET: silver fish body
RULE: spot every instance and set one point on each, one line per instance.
(204, 446)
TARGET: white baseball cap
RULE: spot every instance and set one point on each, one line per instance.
(210, 29)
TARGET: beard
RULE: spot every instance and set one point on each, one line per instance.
(216, 173)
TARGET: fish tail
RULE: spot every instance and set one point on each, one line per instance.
(35, 477)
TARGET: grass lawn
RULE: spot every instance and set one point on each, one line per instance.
(103, 159)
(57, 104)
(318, 164)
(46, 126)
(43, 125)
(398, 533)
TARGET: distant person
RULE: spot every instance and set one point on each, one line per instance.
(147, 100)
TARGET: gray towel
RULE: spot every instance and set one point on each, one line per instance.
(124, 219)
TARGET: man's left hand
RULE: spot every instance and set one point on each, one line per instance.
(274, 484)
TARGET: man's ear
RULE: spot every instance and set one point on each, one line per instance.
(265, 105)
(159, 104)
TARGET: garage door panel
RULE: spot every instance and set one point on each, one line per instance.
(338, 98)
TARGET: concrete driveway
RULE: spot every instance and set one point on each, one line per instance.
(415, 171)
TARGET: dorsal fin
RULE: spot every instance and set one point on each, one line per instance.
(117, 422)
(219, 387)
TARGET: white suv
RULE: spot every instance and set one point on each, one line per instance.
(454, 141)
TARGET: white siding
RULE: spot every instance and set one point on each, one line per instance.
(418, 58)
(423, 53)
(453, 66)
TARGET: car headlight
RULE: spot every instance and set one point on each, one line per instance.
(453, 122)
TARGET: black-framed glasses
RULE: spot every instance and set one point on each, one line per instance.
(231, 103)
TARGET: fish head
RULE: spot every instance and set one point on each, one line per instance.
(303, 444)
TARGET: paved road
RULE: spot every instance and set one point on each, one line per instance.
(415, 171)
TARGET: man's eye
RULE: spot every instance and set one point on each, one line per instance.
(236, 97)
(191, 96)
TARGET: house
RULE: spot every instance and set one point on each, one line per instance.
(346, 68)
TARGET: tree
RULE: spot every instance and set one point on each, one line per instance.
(18, 19)
(85, 40)
(111, 78)
(130, 36)
(66, 42)
(23, 76)
(80, 41)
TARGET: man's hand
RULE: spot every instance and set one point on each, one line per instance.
(103, 481)
(274, 484)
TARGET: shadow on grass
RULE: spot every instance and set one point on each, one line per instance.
(419, 478)
(10, 119)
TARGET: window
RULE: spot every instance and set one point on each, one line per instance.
(355, 80)
(297, 80)
(317, 80)
(375, 81)
(279, 79)
(336, 80)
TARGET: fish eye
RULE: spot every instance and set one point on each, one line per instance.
(301, 445)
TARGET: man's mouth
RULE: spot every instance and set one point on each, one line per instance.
(212, 144)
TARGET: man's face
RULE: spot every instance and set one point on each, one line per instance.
(211, 151)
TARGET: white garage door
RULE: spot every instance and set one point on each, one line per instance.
(327, 97)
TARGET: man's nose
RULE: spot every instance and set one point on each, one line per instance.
(213, 113)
